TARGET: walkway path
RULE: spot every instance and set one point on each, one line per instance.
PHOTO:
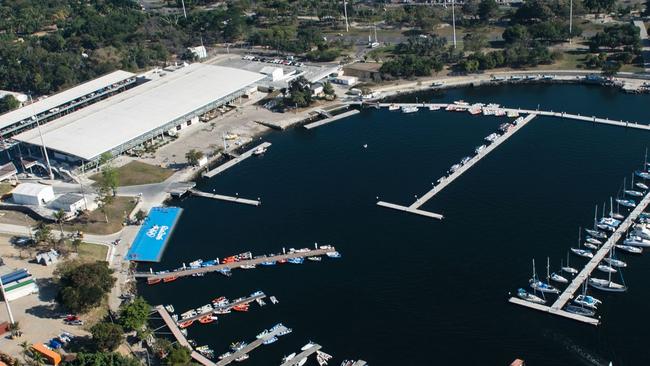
(645, 44)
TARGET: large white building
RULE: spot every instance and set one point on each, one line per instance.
(32, 194)
(128, 119)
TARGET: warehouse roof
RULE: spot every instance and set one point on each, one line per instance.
(106, 125)
(63, 97)
(30, 189)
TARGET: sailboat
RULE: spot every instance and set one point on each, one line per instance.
(568, 268)
(322, 358)
(637, 241)
(606, 268)
(630, 248)
(612, 214)
(594, 232)
(606, 285)
(586, 300)
(557, 277)
(643, 173)
(525, 295)
(579, 310)
(541, 286)
(582, 252)
(631, 192)
(614, 262)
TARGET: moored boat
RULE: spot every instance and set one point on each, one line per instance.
(579, 310)
(606, 285)
(525, 295)
(629, 248)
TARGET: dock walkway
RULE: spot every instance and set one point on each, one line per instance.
(577, 282)
(221, 197)
(233, 265)
(331, 119)
(231, 305)
(251, 346)
(302, 355)
(415, 206)
(180, 338)
(230, 163)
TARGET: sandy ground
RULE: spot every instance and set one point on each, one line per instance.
(36, 313)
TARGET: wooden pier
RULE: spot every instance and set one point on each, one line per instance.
(221, 197)
(233, 265)
(251, 346)
(415, 206)
(230, 163)
(180, 338)
(246, 300)
(302, 355)
(331, 119)
(576, 283)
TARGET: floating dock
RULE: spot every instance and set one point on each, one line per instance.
(231, 305)
(415, 206)
(233, 265)
(154, 234)
(230, 163)
(251, 346)
(331, 119)
(221, 197)
(302, 355)
(577, 281)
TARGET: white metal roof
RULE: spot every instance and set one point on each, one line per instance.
(63, 97)
(30, 189)
(106, 125)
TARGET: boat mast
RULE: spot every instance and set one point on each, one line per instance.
(548, 272)
(611, 208)
(595, 215)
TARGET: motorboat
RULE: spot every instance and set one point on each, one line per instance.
(248, 266)
(606, 285)
(588, 301)
(315, 259)
(333, 254)
(307, 346)
(236, 346)
(630, 248)
(393, 107)
(242, 358)
(579, 310)
(454, 168)
(606, 268)
(288, 358)
(465, 160)
(409, 109)
(259, 150)
(479, 149)
(491, 137)
(263, 334)
(297, 260)
(270, 340)
(525, 295)
(225, 355)
(615, 262)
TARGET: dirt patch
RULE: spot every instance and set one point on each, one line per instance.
(137, 172)
(95, 222)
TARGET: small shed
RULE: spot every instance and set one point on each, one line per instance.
(316, 89)
(346, 80)
(47, 258)
(69, 202)
(32, 194)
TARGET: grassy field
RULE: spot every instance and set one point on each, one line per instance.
(89, 252)
(137, 172)
(95, 223)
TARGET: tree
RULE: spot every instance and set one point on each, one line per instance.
(193, 156)
(487, 9)
(470, 8)
(599, 6)
(8, 103)
(178, 355)
(83, 286)
(299, 93)
(516, 33)
(110, 179)
(59, 216)
(140, 215)
(107, 336)
(104, 199)
(474, 42)
(134, 315)
(469, 65)
(102, 358)
(610, 68)
(42, 233)
(328, 89)
(76, 243)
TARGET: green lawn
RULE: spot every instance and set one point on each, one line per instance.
(89, 252)
(137, 172)
(95, 222)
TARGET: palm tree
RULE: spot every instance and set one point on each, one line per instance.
(59, 216)
(76, 243)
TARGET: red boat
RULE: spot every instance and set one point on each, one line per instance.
(220, 299)
(242, 307)
(153, 281)
(206, 319)
(230, 259)
(282, 261)
(186, 324)
(169, 279)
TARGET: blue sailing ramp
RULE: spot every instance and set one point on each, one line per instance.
(152, 238)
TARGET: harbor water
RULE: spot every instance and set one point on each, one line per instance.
(411, 290)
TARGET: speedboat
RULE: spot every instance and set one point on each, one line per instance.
(393, 107)
(409, 109)
(558, 278)
(288, 358)
(593, 241)
(606, 268)
(582, 253)
(227, 354)
(588, 301)
(270, 340)
(630, 248)
(543, 287)
(491, 137)
(579, 310)
(615, 262)
(626, 203)
(642, 186)
(307, 346)
(333, 254)
(479, 149)
(596, 234)
(296, 260)
(243, 357)
(259, 150)
(464, 160)
(606, 285)
(525, 295)
(454, 168)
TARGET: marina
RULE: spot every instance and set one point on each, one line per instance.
(251, 346)
(223, 308)
(302, 355)
(184, 272)
(331, 119)
(415, 206)
(221, 197)
(230, 163)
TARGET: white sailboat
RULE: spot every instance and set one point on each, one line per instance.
(541, 286)
(557, 277)
(568, 268)
(582, 252)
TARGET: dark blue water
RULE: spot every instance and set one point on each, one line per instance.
(411, 290)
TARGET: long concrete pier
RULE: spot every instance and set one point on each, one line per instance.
(577, 117)
(302, 355)
(221, 197)
(246, 300)
(331, 119)
(415, 206)
(233, 265)
(180, 338)
(230, 163)
(251, 346)
(585, 273)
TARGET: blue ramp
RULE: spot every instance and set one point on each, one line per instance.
(152, 238)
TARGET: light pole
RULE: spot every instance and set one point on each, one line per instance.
(453, 21)
(38, 126)
(345, 14)
(570, 21)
